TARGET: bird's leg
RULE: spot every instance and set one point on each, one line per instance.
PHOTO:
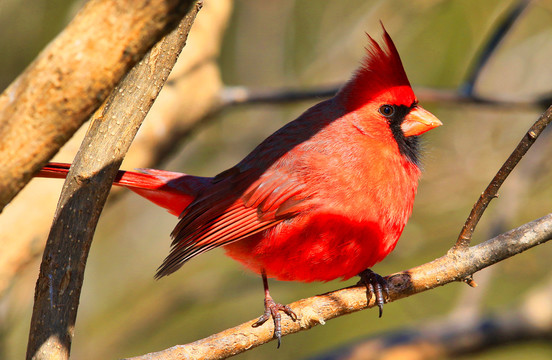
(376, 286)
(273, 309)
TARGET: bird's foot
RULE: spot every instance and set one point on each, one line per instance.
(376, 286)
(273, 309)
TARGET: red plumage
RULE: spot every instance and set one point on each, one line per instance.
(326, 196)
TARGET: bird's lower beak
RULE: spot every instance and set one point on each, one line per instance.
(418, 121)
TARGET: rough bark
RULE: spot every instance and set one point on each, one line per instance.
(71, 77)
(85, 191)
(171, 116)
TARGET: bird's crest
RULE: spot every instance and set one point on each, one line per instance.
(380, 71)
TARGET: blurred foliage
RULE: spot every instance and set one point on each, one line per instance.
(300, 43)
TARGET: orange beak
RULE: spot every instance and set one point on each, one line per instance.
(418, 121)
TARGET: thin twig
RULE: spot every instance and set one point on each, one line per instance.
(319, 309)
(85, 192)
(492, 189)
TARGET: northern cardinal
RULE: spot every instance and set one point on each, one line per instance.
(327, 196)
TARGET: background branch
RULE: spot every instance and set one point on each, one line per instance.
(85, 191)
(238, 95)
(242, 95)
(492, 44)
(454, 266)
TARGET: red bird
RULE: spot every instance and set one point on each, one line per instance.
(327, 196)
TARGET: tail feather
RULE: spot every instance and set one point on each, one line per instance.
(170, 190)
(54, 171)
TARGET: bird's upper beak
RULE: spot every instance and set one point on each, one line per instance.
(418, 121)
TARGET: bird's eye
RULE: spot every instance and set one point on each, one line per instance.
(387, 110)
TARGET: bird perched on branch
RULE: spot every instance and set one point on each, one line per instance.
(327, 196)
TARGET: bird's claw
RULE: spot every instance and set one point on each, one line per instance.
(377, 286)
(273, 309)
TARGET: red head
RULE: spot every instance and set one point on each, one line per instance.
(381, 80)
(381, 72)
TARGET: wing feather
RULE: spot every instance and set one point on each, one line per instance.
(232, 210)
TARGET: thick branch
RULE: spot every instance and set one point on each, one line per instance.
(63, 86)
(168, 120)
(456, 336)
(492, 189)
(85, 191)
(316, 310)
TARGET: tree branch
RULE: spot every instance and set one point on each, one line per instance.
(453, 336)
(172, 114)
(451, 267)
(492, 189)
(66, 83)
(85, 191)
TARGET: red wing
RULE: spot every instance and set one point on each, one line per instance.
(225, 214)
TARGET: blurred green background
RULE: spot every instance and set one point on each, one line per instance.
(302, 43)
